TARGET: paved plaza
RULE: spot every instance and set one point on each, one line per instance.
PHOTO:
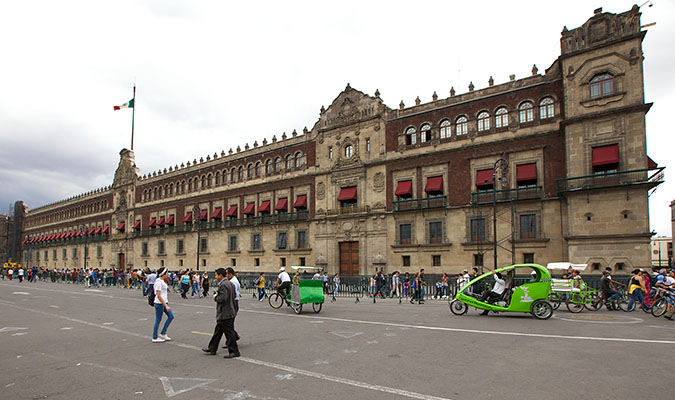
(60, 341)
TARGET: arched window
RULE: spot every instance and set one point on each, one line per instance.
(277, 164)
(268, 167)
(525, 112)
(410, 136)
(249, 171)
(241, 173)
(154, 194)
(445, 129)
(182, 189)
(233, 175)
(209, 180)
(217, 178)
(203, 181)
(461, 126)
(258, 169)
(224, 176)
(483, 121)
(425, 133)
(502, 118)
(289, 161)
(298, 160)
(349, 151)
(166, 190)
(546, 109)
(602, 85)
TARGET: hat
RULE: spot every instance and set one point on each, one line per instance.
(533, 273)
(162, 271)
(282, 269)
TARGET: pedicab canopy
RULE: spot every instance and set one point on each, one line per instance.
(307, 290)
(565, 266)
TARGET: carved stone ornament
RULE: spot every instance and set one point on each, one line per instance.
(126, 173)
(378, 182)
(320, 190)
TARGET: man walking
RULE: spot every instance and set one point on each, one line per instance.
(225, 315)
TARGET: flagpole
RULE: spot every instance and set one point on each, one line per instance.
(133, 111)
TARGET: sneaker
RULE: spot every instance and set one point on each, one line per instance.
(166, 338)
(158, 340)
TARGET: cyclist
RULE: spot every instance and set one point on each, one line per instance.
(667, 282)
(283, 282)
(608, 288)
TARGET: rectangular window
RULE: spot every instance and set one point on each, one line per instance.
(330, 152)
(283, 261)
(180, 246)
(54, 254)
(436, 232)
(367, 145)
(528, 226)
(233, 262)
(256, 243)
(86, 252)
(160, 247)
(204, 245)
(37, 255)
(64, 254)
(74, 253)
(99, 251)
(528, 258)
(180, 263)
(161, 263)
(406, 261)
(144, 248)
(405, 233)
(478, 230)
(436, 260)
(281, 240)
(302, 239)
(46, 255)
(233, 243)
(204, 262)
(302, 260)
(256, 262)
(478, 260)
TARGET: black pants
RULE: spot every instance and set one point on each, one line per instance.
(225, 327)
(184, 289)
(283, 289)
(491, 296)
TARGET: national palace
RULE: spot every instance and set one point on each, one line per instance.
(558, 157)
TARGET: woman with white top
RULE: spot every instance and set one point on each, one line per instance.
(161, 306)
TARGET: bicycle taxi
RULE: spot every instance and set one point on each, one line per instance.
(529, 297)
(576, 294)
(306, 291)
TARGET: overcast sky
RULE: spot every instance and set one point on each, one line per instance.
(214, 75)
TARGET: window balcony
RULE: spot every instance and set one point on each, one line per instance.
(521, 193)
(419, 204)
(611, 179)
(348, 210)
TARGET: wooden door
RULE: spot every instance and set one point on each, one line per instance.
(349, 258)
(120, 261)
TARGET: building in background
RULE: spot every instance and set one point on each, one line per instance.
(370, 188)
(5, 229)
(662, 251)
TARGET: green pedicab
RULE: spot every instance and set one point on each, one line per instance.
(306, 291)
(529, 297)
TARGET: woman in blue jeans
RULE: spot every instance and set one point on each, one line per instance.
(161, 307)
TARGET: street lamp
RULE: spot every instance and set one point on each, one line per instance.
(195, 221)
(502, 165)
(84, 252)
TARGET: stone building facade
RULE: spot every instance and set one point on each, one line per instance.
(559, 157)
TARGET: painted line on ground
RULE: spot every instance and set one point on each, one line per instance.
(202, 333)
(345, 381)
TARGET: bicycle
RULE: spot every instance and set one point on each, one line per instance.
(660, 305)
(276, 299)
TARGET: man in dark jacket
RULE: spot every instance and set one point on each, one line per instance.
(225, 314)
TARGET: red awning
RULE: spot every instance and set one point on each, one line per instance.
(404, 188)
(264, 207)
(605, 155)
(99, 230)
(188, 217)
(348, 193)
(526, 172)
(232, 211)
(78, 233)
(170, 221)
(52, 236)
(204, 215)
(152, 224)
(24, 241)
(282, 204)
(120, 227)
(106, 229)
(92, 230)
(300, 201)
(137, 225)
(434, 184)
(161, 222)
(651, 164)
(250, 209)
(217, 213)
(484, 177)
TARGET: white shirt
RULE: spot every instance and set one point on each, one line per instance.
(284, 277)
(160, 286)
(237, 287)
(151, 279)
(500, 285)
(20, 271)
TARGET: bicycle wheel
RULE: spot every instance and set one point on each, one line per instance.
(554, 299)
(542, 309)
(593, 302)
(575, 303)
(297, 307)
(458, 308)
(275, 300)
(659, 307)
(317, 307)
(624, 304)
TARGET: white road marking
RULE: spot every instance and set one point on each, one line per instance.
(349, 351)
(662, 327)
(316, 322)
(66, 328)
(11, 329)
(23, 293)
(19, 356)
(94, 290)
(625, 320)
(19, 333)
(389, 334)
(321, 362)
(284, 377)
(108, 323)
(347, 335)
(176, 386)
(9, 384)
(371, 342)
(142, 319)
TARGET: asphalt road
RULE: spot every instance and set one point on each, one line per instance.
(67, 342)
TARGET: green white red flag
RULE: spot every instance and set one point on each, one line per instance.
(129, 104)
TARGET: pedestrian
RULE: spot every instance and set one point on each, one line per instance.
(196, 285)
(380, 284)
(184, 284)
(10, 273)
(422, 287)
(406, 285)
(260, 284)
(150, 279)
(161, 303)
(336, 282)
(205, 283)
(325, 282)
(225, 315)
(20, 274)
(637, 289)
(231, 276)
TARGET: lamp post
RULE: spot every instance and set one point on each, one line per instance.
(502, 165)
(84, 252)
(195, 221)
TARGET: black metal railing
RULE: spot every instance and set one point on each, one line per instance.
(611, 179)
(521, 193)
(419, 204)
(348, 210)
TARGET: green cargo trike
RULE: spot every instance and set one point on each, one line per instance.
(306, 291)
(529, 297)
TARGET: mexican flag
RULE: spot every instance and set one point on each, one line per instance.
(129, 104)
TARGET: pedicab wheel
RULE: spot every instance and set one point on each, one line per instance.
(542, 309)
(297, 307)
(659, 307)
(275, 300)
(575, 303)
(595, 302)
(458, 308)
(554, 300)
(317, 307)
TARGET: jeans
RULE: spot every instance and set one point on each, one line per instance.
(261, 293)
(612, 295)
(637, 296)
(159, 310)
(195, 287)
